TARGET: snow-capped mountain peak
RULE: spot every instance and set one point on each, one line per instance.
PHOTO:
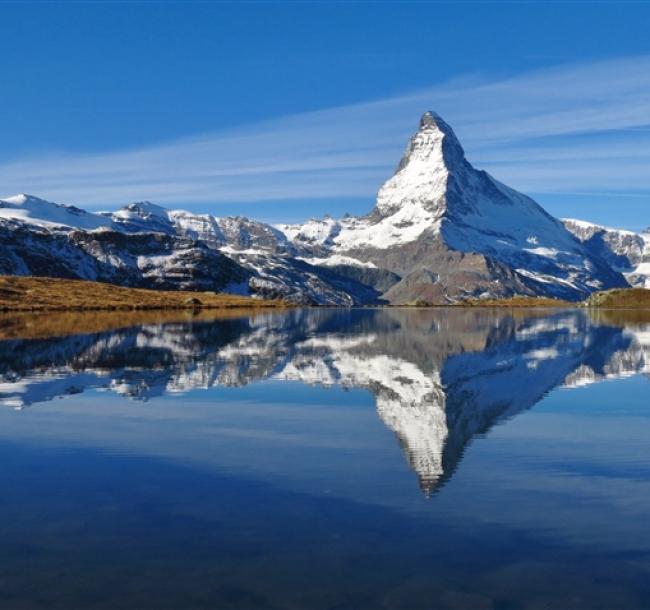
(441, 231)
(146, 209)
(21, 199)
(450, 231)
(434, 141)
(143, 216)
(32, 210)
(422, 174)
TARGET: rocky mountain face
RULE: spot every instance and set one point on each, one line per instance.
(448, 231)
(438, 378)
(441, 231)
(143, 260)
(144, 245)
(624, 251)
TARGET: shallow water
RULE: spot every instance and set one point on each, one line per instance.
(327, 459)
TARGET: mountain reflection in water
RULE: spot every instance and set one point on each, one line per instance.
(438, 377)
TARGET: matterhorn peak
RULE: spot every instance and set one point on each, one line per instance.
(435, 141)
(432, 154)
(430, 119)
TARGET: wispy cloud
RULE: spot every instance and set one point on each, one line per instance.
(572, 128)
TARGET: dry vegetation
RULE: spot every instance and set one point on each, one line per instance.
(518, 301)
(40, 294)
(623, 298)
(619, 298)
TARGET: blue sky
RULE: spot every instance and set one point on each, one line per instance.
(288, 110)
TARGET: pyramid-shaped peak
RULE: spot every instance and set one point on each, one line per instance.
(434, 143)
(432, 154)
(430, 119)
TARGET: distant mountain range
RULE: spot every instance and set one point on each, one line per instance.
(624, 251)
(441, 231)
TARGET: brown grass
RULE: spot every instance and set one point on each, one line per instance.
(517, 301)
(41, 294)
(623, 298)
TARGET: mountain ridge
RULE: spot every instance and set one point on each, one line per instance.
(440, 232)
(626, 251)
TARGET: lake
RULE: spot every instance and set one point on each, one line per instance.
(326, 459)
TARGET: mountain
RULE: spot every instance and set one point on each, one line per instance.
(143, 260)
(37, 212)
(262, 250)
(449, 231)
(624, 251)
(440, 231)
(144, 245)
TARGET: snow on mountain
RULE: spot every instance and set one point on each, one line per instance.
(450, 231)
(235, 232)
(405, 203)
(261, 249)
(336, 260)
(142, 216)
(440, 231)
(625, 251)
(31, 210)
(143, 260)
(145, 245)
(201, 227)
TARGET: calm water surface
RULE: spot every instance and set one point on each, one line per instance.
(327, 459)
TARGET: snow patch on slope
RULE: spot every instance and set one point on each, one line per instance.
(338, 259)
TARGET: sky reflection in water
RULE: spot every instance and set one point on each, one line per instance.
(328, 459)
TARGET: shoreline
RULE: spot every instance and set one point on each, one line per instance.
(44, 294)
(29, 294)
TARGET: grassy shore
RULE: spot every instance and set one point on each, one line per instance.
(19, 293)
(50, 294)
(518, 301)
(619, 298)
(623, 298)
